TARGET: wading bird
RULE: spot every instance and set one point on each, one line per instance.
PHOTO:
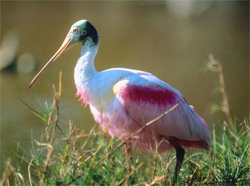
(124, 100)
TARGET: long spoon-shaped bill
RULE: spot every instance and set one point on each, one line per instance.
(65, 45)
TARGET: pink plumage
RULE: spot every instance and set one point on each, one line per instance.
(125, 100)
(138, 99)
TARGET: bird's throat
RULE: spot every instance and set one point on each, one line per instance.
(85, 68)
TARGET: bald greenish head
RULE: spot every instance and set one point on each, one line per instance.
(83, 29)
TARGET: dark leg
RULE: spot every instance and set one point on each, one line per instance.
(128, 152)
(180, 152)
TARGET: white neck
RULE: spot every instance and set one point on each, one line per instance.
(85, 68)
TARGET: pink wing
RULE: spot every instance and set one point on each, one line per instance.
(145, 97)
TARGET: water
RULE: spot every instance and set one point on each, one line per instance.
(170, 40)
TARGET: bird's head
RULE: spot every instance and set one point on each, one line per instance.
(79, 32)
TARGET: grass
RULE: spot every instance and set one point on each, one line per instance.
(69, 156)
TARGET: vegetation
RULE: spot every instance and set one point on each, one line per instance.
(71, 157)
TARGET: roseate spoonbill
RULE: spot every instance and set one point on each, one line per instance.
(124, 100)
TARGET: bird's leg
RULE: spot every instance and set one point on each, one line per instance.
(128, 152)
(180, 152)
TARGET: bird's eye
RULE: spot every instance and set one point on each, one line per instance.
(75, 30)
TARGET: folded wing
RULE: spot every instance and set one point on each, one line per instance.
(144, 97)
